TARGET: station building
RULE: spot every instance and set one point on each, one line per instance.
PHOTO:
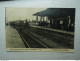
(59, 18)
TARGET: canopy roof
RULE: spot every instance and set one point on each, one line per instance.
(56, 12)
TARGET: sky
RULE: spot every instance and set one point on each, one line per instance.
(18, 13)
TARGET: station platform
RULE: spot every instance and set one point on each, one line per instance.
(55, 30)
(13, 40)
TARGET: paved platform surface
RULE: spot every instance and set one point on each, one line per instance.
(13, 39)
(61, 31)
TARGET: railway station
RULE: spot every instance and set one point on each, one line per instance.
(53, 28)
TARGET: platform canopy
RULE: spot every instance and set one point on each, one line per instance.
(51, 12)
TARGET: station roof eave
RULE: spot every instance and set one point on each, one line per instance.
(53, 12)
(38, 14)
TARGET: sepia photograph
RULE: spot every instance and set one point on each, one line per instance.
(40, 29)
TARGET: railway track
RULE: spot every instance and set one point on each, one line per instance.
(58, 39)
(30, 41)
